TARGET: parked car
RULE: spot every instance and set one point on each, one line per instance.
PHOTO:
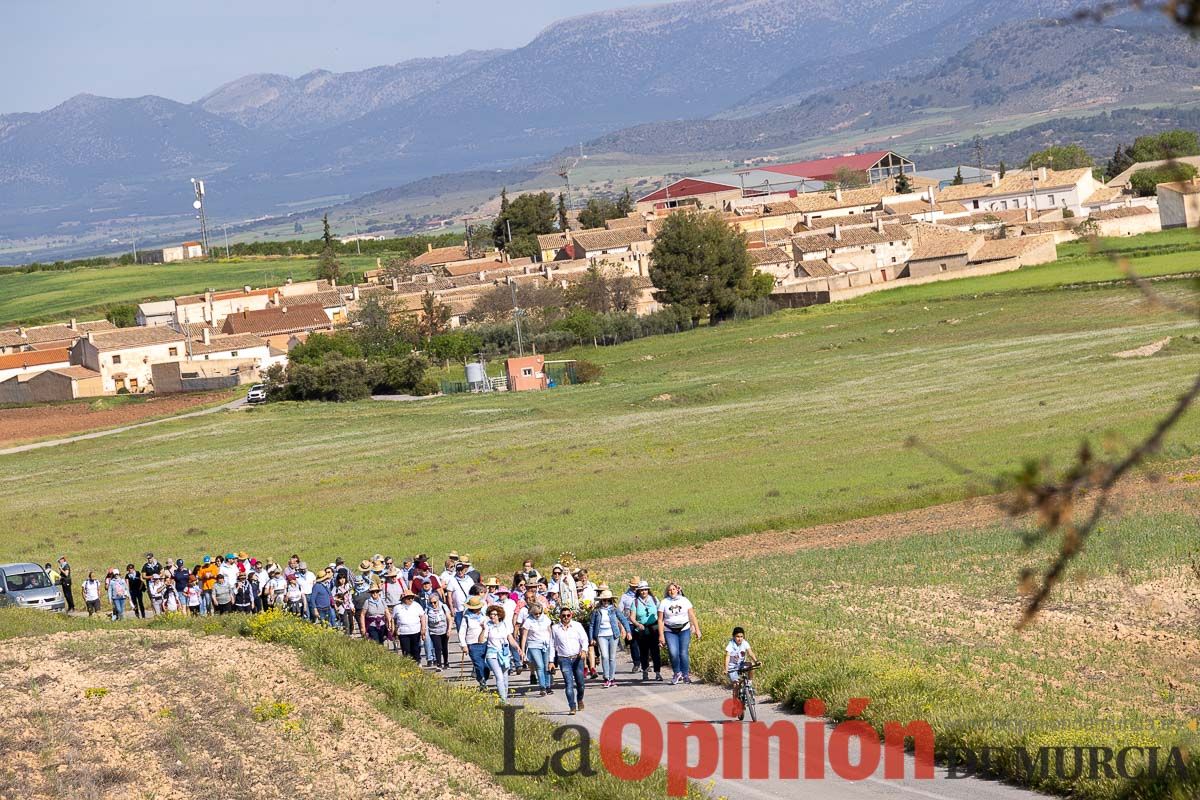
(257, 393)
(28, 586)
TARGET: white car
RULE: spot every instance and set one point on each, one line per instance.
(257, 394)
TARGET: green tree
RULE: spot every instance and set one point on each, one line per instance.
(123, 316)
(602, 290)
(701, 264)
(1166, 145)
(1003, 169)
(434, 317)
(848, 178)
(760, 285)
(1122, 159)
(903, 184)
(1145, 181)
(581, 323)
(527, 216)
(328, 266)
(499, 232)
(380, 333)
(597, 212)
(458, 345)
(1059, 157)
(625, 204)
(320, 346)
(563, 222)
(326, 236)
(958, 178)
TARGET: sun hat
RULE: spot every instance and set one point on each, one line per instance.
(326, 573)
(493, 581)
(459, 565)
(377, 557)
(274, 570)
(635, 580)
(642, 585)
(453, 554)
(475, 603)
(407, 593)
(292, 577)
(365, 564)
(604, 587)
(391, 573)
(375, 585)
(377, 565)
(557, 568)
(466, 559)
(605, 595)
(243, 554)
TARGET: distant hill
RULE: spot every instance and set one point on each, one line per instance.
(1019, 68)
(321, 98)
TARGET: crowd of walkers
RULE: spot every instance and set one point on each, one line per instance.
(559, 623)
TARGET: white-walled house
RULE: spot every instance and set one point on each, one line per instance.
(123, 357)
(1039, 189)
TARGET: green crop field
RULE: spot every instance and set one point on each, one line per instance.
(56, 295)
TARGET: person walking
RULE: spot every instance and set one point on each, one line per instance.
(497, 637)
(676, 625)
(194, 596)
(305, 580)
(137, 591)
(322, 599)
(91, 594)
(624, 606)
(118, 593)
(208, 578)
(157, 588)
(343, 602)
(181, 577)
(459, 587)
(643, 617)
(570, 649)
(410, 622)
(469, 632)
(374, 620)
(437, 628)
(536, 644)
(607, 628)
(64, 581)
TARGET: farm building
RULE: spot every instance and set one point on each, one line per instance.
(1179, 204)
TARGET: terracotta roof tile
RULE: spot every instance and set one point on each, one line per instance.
(940, 241)
(441, 255)
(35, 358)
(768, 255)
(605, 239)
(817, 268)
(850, 237)
(75, 372)
(124, 338)
(234, 341)
(276, 320)
(1121, 211)
(51, 333)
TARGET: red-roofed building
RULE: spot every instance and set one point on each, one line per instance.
(690, 191)
(878, 165)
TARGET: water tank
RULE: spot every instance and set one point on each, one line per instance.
(476, 377)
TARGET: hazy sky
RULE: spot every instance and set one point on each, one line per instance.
(182, 49)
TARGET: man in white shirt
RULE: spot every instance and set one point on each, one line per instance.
(305, 580)
(459, 588)
(570, 649)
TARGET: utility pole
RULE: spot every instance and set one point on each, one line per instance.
(135, 233)
(979, 156)
(357, 240)
(198, 204)
(512, 288)
(225, 228)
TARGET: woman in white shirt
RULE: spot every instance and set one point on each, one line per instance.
(676, 625)
(570, 648)
(496, 636)
(535, 644)
(409, 616)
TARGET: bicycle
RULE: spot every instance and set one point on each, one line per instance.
(746, 694)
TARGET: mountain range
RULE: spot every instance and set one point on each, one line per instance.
(684, 77)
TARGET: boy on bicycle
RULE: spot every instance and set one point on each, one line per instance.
(737, 654)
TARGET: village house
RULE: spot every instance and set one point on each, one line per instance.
(1041, 189)
(209, 347)
(937, 249)
(124, 357)
(212, 307)
(49, 337)
(52, 386)
(697, 193)
(156, 312)
(332, 301)
(1123, 181)
(1179, 204)
(279, 324)
(859, 248)
(773, 261)
(29, 362)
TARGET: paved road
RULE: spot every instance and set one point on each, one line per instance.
(695, 702)
(236, 404)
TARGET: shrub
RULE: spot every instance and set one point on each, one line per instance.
(1145, 181)
(587, 371)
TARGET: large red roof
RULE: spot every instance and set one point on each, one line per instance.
(686, 187)
(824, 169)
